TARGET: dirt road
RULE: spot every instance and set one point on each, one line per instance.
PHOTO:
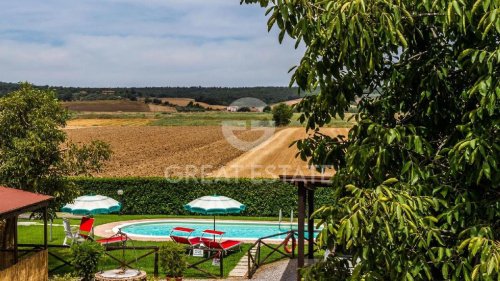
(274, 157)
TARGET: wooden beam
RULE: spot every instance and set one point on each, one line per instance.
(45, 216)
(301, 190)
(16, 254)
(310, 223)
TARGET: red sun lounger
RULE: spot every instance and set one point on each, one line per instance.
(86, 226)
(186, 240)
(117, 238)
(212, 243)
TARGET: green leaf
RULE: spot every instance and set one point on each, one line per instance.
(390, 181)
(402, 38)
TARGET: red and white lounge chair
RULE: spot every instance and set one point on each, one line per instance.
(192, 242)
(212, 243)
(84, 232)
(117, 238)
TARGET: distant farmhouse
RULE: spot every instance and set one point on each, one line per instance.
(108, 92)
(233, 108)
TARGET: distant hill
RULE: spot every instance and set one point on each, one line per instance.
(209, 95)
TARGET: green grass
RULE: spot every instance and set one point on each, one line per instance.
(217, 119)
(33, 234)
(77, 115)
(207, 118)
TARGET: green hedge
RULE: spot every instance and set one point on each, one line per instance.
(167, 196)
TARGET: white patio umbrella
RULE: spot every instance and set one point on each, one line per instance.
(92, 204)
(215, 205)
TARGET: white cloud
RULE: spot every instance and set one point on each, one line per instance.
(141, 43)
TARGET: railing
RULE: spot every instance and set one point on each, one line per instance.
(212, 254)
(153, 250)
(255, 261)
(123, 263)
(38, 247)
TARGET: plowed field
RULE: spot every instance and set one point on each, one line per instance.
(107, 106)
(184, 151)
(163, 151)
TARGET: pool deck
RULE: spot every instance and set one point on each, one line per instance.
(109, 229)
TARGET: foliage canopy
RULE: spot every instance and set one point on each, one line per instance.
(282, 114)
(34, 154)
(210, 95)
(417, 183)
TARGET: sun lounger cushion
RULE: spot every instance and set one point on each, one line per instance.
(183, 229)
(188, 241)
(113, 239)
(224, 245)
(214, 232)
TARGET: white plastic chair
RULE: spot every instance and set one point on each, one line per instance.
(70, 233)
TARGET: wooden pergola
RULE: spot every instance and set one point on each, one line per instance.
(14, 202)
(306, 186)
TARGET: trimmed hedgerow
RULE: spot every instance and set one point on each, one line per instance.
(168, 196)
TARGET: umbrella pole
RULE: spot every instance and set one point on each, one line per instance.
(214, 227)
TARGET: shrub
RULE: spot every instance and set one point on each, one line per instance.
(267, 109)
(173, 259)
(244, 109)
(85, 258)
(168, 196)
(282, 114)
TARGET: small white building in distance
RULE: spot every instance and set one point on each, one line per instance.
(233, 108)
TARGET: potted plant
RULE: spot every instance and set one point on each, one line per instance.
(173, 260)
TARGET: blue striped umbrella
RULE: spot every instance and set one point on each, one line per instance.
(215, 205)
(92, 204)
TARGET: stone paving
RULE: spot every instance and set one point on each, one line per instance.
(241, 269)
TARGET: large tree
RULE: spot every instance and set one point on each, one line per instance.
(417, 183)
(34, 153)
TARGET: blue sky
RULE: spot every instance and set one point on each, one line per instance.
(107, 43)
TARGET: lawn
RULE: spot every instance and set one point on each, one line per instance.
(207, 118)
(33, 234)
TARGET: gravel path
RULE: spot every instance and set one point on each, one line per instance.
(283, 270)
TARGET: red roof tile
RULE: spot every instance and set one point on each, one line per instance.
(12, 200)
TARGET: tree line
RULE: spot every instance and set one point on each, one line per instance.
(210, 95)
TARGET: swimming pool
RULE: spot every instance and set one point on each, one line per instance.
(233, 230)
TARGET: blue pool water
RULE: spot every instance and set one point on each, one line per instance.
(232, 229)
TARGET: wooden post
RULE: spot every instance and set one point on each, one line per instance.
(45, 227)
(310, 223)
(16, 253)
(221, 264)
(155, 273)
(301, 219)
